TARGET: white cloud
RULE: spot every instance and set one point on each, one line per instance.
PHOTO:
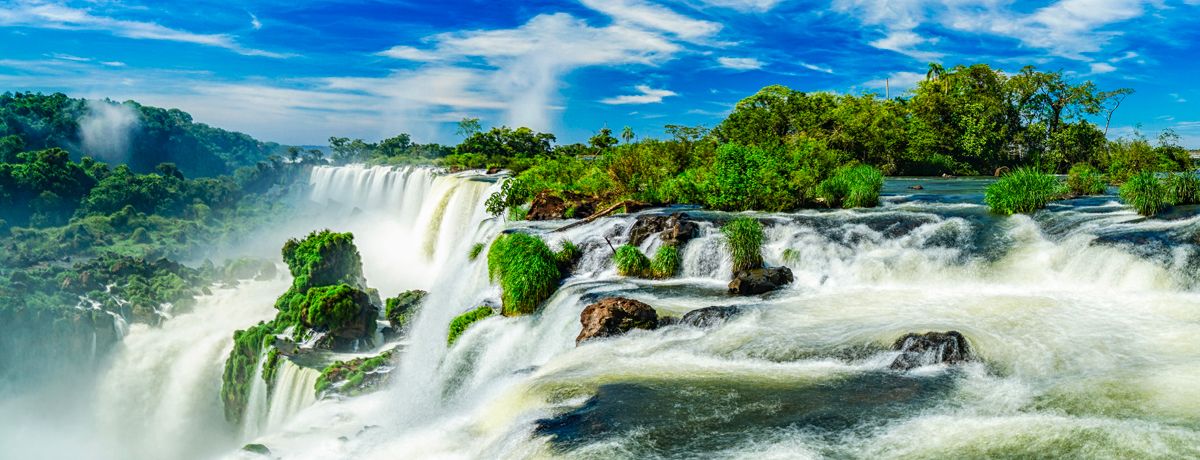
(654, 17)
(740, 63)
(1178, 98)
(408, 53)
(254, 22)
(648, 96)
(1102, 67)
(816, 68)
(747, 6)
(63, 17)
(897, 81)
(905, 42)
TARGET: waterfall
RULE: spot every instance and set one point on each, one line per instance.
(292, 392)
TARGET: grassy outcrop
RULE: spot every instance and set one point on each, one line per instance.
(460, 323)
(323, 258)
(402, 309)
(1145, 193)
(1023, 191)
(852, 187)
(744, 237)
(239, 368)
(353, 377)
(1084, 179)
(527, 270)
(631, 262)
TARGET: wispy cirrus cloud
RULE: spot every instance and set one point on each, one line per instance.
(647, 95)
(740, 63)
(52, 16)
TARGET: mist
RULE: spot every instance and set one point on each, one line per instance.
(106, 130)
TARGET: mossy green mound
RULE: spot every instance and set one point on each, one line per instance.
(323, 258)
(460, 323)
(402, 309)
(354, 377)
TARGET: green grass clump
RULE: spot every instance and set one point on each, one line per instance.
(1145, 193)
(631, 262)
(1083, 179)
(744, 236)
(568, 253)
(666, 262)
(1024, 190)
(1182, 189)
(526, 269)
(852, 187)
(475, 250)
(461, 322)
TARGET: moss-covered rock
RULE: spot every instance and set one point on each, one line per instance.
(257, 449)
(460, 323)
(356, 376)
(323, 258)
(401, 310)
(240, 366)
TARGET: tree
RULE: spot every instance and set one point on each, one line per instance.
(603, 140)
(468, 127)
(627, 134)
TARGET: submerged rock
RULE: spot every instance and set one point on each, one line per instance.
(710, 316)
(759, 280)
(257, 449)
(615, 316)
(930, 348)
(676, 229)
(356, 376)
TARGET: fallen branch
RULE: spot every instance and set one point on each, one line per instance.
(605, 212)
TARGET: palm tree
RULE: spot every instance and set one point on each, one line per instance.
(627, 134)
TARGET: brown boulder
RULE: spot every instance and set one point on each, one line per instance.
(568, 205)
(759, 280)
(615, 316)
(675, 229)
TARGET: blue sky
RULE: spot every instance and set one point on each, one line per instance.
(301, 71)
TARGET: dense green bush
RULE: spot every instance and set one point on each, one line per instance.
(1024, 190)
(461, 322)
(323, 258)
(1084, 179)
(631, 262)
(744, 237)
(852, 187)
(1182, 189)
(526, 269)
(1145, 193)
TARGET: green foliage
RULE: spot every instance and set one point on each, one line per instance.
(239, 369)
(1182, 189)
(631, 262)
(323, 258)
(566, 256)
(461, 322)
(474, 251)
(744, 236)
(1024, 190)
(852, 187)
(666, 262)
(332, 307)
(401, 310)
(1145, 193)
(353, 377)
(1083, 179)
(526, 269)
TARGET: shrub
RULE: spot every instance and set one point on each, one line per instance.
(1182, 189)
(473, 253)
(852, 187)
(461, 322)
(526, 269)
(1083, 179)
(1024, 190)
(631, 262)
(744, 237)
(666, 262)
(1144, 193)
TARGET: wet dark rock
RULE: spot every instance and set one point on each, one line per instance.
(930, 348)
(675, 229)
(664, 321)
(568, 205)
(1001, 171)
(710, 316)
(494, 170)
(759, 280)
(615, 316)
(917, 187)
(257, 449)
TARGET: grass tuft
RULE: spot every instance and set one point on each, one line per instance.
(1083, 179)
(666, 262)
(526, 269)
(631, 262)
(1182, 189)
(744, 236)
(473, 253)
(852, 187)
(460, 323)
(1145, 193)
(1024, 190)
